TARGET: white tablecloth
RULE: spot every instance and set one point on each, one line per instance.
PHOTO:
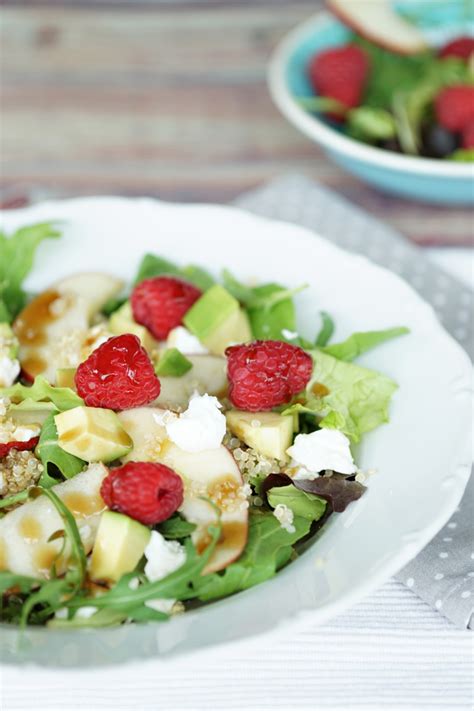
(392, 651)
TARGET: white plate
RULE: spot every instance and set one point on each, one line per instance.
(422, 456)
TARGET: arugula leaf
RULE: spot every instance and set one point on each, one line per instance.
(302, 504)
(17, 254)
(326, 331)
(131, 602)
(152, 266)
(322, 104)
(53, 457)
(363, 341)
(176, 527)
(268, 320)
(62, 398)
(268, 548)
(14, 499)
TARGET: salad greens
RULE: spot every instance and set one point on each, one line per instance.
(269, 548)
(17, 254)
(283, 510)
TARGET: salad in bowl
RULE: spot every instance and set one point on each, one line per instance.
(167, 442)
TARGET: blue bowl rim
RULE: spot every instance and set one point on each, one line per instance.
(330, 138)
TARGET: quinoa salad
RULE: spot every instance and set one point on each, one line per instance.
(169, 441)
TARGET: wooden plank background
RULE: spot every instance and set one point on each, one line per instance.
(164, 98)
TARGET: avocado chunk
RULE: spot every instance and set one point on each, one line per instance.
(217, 320)
(173, 363)
(119, 546)
(65, 378)
(267, 432)
(93, 434)
(122, 321)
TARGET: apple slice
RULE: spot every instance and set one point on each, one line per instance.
(66, 309)
(25, 532)
(377, 21)
(212, 474)
(208, 375)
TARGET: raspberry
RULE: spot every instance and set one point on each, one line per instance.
(264, 374)
(340, 73)
(454, 107)
(145, 491)
(19, 446)
(160, 303)
(468, 136)
(118, 375)
(461, 47)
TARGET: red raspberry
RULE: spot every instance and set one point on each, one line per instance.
(118, 375)
(148, 492)
(468, 136)
(19, 446)
(264, 374)
(340, 73)
(160, 303)
(461, 47)
(454, 107)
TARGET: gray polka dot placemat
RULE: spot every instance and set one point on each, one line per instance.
(443, 573)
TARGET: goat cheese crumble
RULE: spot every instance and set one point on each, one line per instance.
(9, 371)
(163, 557)
(319, 451)
(202, 426)
(185, 342)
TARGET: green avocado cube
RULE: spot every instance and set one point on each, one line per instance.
(269, 433)
(173, 363)
(217, 320)
(119, 546)
(122, 321)
(92, 434)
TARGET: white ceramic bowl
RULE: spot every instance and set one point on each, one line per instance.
(422, 456)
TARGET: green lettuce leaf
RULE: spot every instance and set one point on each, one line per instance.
(17, 254)
(268, 548)
(54, 458)
(300, 502)
(176, 527)
(363, 341)
(357, 400)
(41, 390)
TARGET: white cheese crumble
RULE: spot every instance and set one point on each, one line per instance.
(285, 517)
(86, 612)
(24, 434)
(321, 450)
(289, 335)
(163, 557)
(9, 371)
(185, 341)
(202, 426)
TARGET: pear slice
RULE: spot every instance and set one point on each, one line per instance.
(212, 474)
(208, 375)
(377, 21)
(25, 547)
(143, 425)
(66, 309)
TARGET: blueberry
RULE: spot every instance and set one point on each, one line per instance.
(438, 142)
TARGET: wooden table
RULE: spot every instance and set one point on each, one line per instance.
(167, 99)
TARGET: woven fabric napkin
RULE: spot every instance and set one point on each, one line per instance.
(443, 573)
